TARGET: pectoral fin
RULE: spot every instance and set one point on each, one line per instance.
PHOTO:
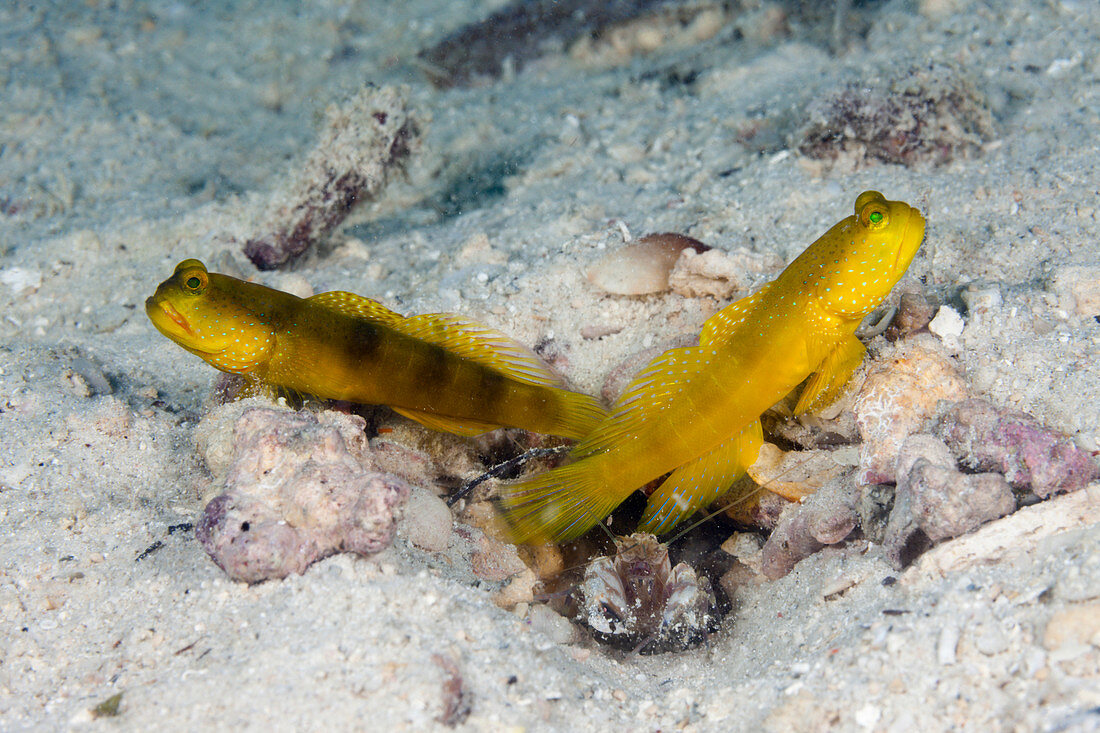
(831, 376)
(698, 483)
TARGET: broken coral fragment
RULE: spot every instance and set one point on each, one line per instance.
(934, 502)
(897, 396)
(718, 274)
(364, 141)
(643, 266)
(925, 115)
(795, 474)
(636, 599)
(984, 437)
(825, 518)
(296, 489)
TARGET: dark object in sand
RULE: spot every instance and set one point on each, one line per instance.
(521, 32)
(363, 142)
(637, 600)
(984, 437)
(915, 312)
(298, 489)
(926, 115)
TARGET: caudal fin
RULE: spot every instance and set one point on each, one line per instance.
(557, 506)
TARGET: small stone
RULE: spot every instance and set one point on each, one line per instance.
(543, 620)
(948, 503)
(825, 518)
(495, 561)
(520, 589)
(947, 643)
(427, 521)
(982, 299)
(915, 311)
(1073, 625)
(948, 325)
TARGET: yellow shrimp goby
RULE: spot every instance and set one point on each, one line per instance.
(695, 411)
(444, 371)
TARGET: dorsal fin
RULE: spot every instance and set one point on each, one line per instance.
(457, 334)
(723, 325)
(481, 344)
(358, 306)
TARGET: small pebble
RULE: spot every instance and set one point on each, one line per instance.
(948, 325)
(947, 643)
(426, 521)
(1073, 625)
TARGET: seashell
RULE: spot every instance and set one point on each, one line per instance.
(642, 267)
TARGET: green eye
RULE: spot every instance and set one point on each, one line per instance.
(194, 283)
(875, 217)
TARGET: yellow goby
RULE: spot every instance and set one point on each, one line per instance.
(695, 411)
(444, 371)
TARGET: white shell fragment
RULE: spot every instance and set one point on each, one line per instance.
(642, 267)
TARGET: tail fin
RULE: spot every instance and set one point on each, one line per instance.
(557, 506)
(578, 414)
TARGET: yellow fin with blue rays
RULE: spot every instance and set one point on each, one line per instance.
(358, 306)
(722, 327)
(831, 376)
(698, 483)
(556, 506)
(652, 391)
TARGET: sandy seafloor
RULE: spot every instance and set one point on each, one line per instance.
(133, 135)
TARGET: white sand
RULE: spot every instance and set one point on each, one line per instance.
(130, 139)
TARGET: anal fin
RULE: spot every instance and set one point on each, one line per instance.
(831, 376)
(696, 484)
(459, 426)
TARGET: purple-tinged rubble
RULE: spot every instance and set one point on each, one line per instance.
(364, 142)
(984, 437)
(296, 488)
